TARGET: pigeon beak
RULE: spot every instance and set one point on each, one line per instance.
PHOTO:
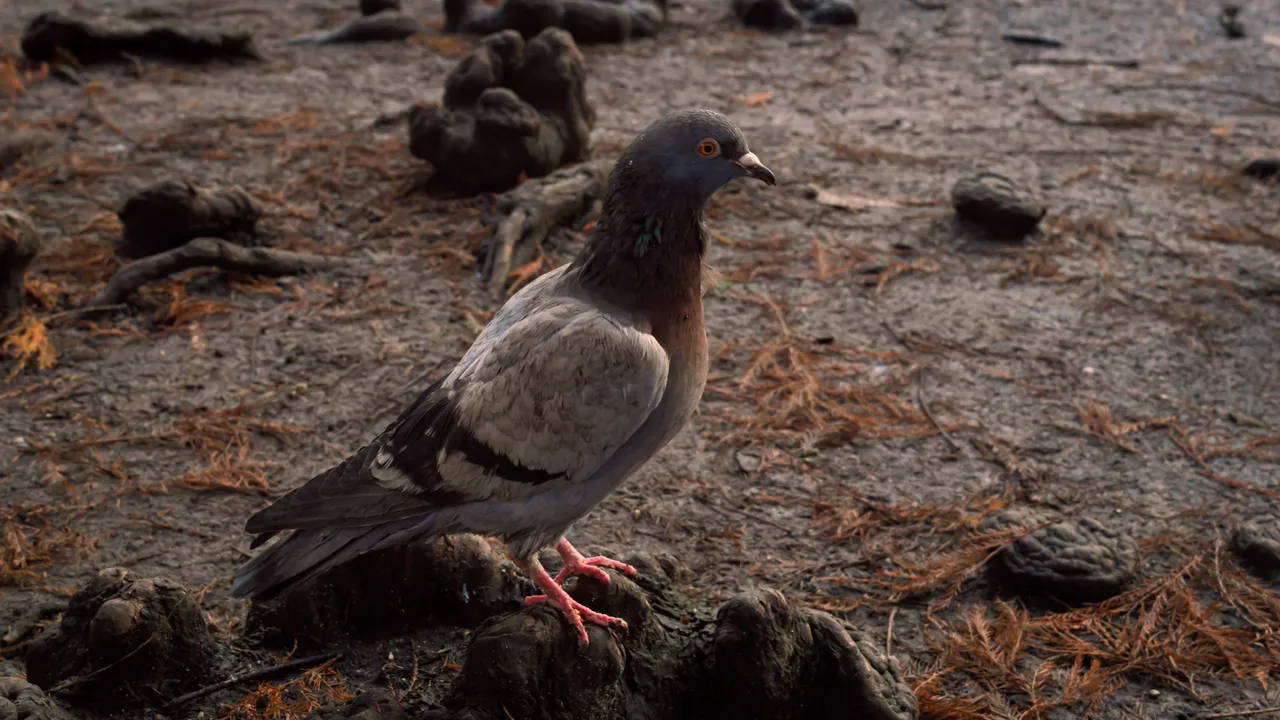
(755, 168)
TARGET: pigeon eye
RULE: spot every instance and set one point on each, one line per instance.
(707, 148)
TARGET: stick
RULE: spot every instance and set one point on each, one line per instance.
(1240, 713)
(888, 638)
(248, 677)
(924, 407)
(1109, 62)
(201, 252)
(537, 207)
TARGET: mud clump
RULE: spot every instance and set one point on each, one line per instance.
(125, 640)
(19, 245)
(373, 7)
(171, 213)
(457, 579)
(55, 38)
(792, 14)
(372, 28)
(1073, 560)
(1263, 169)
(20, 700)
(996, 205)
(376, 704)
(510, 111)
(1257, 544)
(758, 658)
(589, 22)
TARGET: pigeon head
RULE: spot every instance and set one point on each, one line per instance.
(689, 155)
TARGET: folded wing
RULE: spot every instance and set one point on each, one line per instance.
(539, 402)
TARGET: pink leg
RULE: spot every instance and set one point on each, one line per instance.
(555, 595)
(575, 564)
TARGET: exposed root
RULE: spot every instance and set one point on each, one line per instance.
(207, 252)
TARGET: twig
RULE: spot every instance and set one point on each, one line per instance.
(888, 638)
(924, 407)
(1240, 713)
(248, 677)
(1109, 62)
(205, 252)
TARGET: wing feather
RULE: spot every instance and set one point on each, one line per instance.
(539, 402)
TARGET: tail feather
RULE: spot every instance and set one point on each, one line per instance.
(305, 554)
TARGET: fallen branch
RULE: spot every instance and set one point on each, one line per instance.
(206, 252)
(262, 674)
(535, 208)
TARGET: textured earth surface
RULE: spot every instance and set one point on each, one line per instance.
(880, 381)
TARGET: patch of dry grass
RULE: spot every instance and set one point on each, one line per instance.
(30, 541)
(1207, 618)
(28, 343)
(785, 390)
(294, 699)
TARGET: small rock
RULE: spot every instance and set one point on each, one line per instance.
(19, 245)
(127, 639)
(1257, 543)
(16, 145)
(376, 704)
(373, 7)
(997, 204)
(1263, 168)
(1229, 19)
(748, 462)
(20, 700)
(1073, 560)
(1017, 516)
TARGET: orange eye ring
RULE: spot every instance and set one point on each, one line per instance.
(707, 148)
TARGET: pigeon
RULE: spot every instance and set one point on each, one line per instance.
(577, 381)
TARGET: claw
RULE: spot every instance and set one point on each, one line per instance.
(574, 564)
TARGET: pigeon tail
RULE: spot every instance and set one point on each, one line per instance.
(305, 554)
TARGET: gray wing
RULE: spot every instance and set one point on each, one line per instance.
(540, 402)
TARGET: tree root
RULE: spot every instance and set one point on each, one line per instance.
(537, 207)
(207, 252)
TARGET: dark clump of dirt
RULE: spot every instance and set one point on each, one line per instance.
(459, 579)
(171, 213)
(125, 640)
(590, 22)
(373, 7)
(20, 144)
(371, 28)
(19, 245)
(791, 14)
(511, 110)
(1258, 545)
(758, 657)
(20, 700)
(996, 205)
(54, 37)
(1263, 168)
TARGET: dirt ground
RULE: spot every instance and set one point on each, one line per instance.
(879, 383)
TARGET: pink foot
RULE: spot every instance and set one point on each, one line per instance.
(573, 610)
(575, 564)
